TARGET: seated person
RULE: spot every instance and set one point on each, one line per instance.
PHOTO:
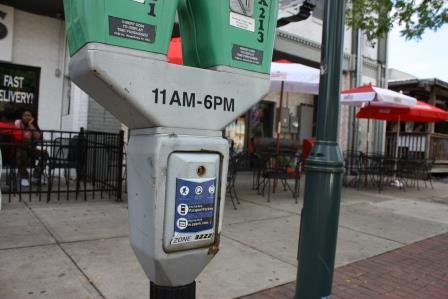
(31, 134)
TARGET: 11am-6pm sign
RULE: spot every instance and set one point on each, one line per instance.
(19, 90)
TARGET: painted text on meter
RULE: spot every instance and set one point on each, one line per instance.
(191, 100)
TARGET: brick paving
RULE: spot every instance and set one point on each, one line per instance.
(415, 271)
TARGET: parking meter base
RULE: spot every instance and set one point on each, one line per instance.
(143, 90)
(162, 292)
(161, 161)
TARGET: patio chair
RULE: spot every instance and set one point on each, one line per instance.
(9, 161)
(67, 154)
(18, 158)
(352, 164)
(231, 177)
(373, 169)
(259, 160)
(388, 171)
(264, 149)
(405, 172)
(282, 167)
(422, 169)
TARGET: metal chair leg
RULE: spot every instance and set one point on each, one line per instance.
(430, 181)
(284, 185)
(234, 192)
(269, 189)
(296, 182)
(229, 191)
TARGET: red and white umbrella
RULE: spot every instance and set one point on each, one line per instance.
(422, 112)
(372, 95)
(294, 77)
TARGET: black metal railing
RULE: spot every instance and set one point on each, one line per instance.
(418, 146)
(62, 164)
(408, 145)
(379, 170)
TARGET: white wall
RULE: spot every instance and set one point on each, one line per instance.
(99, 119)
(290, 100)
(311, 29)
(6, 43)
(40, 41)
(78, 110)
(370, 49)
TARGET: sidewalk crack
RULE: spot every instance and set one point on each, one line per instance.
(372, 235)
(59, 244)
(258, 250)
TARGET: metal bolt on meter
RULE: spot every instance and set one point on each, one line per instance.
(177, 159)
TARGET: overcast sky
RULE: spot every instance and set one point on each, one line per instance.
(427, 58)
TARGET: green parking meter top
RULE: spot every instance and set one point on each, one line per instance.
(136, 24)
(235, 33)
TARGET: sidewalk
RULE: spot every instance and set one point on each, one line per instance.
(81, 249)
(419, 270)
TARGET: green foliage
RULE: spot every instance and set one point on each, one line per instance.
(377, 17)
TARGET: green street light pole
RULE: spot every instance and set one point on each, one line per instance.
(324, 168)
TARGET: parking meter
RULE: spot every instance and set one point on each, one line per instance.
(177, 158)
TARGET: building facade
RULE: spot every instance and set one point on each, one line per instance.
(36, 39)
(364, 62)
(35, 42)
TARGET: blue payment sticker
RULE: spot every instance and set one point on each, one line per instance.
(195, 206)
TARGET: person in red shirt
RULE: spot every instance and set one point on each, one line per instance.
(8, 128)
(31, 134)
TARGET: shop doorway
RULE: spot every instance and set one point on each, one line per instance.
(305, 115)
(257, 122)
(261, 121)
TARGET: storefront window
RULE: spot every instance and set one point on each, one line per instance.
(262, 120)
(258, 122)
(19, 90)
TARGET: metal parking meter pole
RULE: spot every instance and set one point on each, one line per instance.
(324, 168)
(163, 292)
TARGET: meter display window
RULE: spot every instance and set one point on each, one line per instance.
(243, 7)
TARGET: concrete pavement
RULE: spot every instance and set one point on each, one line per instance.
(418, 271)
(81, 249)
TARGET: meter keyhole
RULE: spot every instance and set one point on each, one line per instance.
(200, 171)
